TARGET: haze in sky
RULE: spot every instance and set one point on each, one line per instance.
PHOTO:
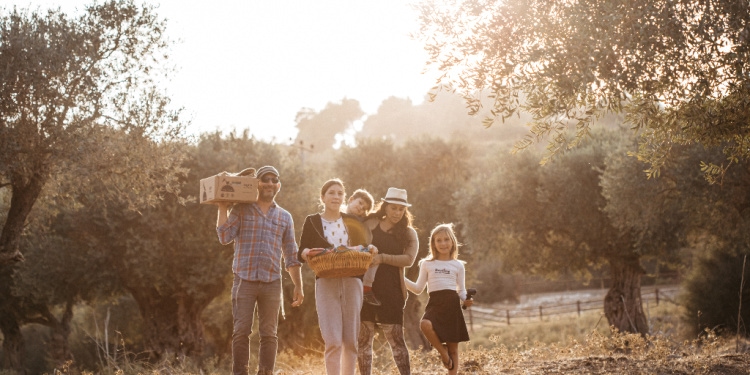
(247, 64)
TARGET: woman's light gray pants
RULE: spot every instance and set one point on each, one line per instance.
(339, 301)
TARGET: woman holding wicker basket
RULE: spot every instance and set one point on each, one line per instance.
(337, 247)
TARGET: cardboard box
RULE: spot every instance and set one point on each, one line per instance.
(225, 187)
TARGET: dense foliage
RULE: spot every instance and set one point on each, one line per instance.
(551, 221)
(79, 104)
(65, 84)
(675, 67)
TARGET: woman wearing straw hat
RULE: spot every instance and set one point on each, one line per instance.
(397, 243)
(337, 299)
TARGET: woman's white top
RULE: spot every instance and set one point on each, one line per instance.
(440, 275)
(335, 231)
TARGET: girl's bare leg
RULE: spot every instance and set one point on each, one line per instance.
(426, 327)
(453, 351)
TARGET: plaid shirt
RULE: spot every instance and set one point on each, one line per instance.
(259, 241)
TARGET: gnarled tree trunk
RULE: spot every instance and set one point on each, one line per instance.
(172, 323)
(25, 191)
(13, 343)
(412, 318)
(59, 347)
(623, 306)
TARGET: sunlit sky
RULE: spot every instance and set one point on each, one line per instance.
(247, 64)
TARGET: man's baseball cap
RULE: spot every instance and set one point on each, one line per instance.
(266, 169)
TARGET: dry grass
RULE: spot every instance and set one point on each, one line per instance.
(559, 345)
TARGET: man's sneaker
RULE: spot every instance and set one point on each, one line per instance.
(370, 298)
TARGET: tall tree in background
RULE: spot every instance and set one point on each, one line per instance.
(168, 257)
(63, 81)
(57, 275)
(397, 118)
(705, 226)
(60, 269)
(319, 129)
(78, 95)
(444, 117)
(677, 68)
(551, 221)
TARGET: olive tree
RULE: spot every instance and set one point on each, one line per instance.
(64, 81)
(676, 68)
(79, 95)
(553, 220)
(318, 130)
(61, 268)
(705, 228)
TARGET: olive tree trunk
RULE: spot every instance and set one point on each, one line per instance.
(412, 318)
(172, 324)
(25, 192)
(13, 343)
(623, 306)
(59, 347)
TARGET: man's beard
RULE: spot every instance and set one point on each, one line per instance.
(266, 195)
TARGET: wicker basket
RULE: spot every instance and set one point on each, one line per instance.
(341, 262)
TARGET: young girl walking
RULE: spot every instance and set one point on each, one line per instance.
(444, 275)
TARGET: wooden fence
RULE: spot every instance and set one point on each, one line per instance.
(533, 314)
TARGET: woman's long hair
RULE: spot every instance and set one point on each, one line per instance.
(399, 229)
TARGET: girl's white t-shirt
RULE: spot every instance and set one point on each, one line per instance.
(440, 275)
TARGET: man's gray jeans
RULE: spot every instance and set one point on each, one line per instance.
(246, 295)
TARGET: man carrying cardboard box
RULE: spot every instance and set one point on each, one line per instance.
(263, 233)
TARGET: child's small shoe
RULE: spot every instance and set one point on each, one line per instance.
(370, 298)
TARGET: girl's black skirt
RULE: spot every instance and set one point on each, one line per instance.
(444, 311)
